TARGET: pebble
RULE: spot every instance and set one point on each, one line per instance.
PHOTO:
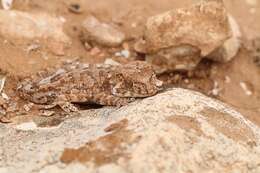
(244, 86)
(101, 33)
(123, 53)
(7, 4)
(110, 61)
(75, 8)
(33, 47)
(2, 82)
(87, 46)
(227, 79)
(216, 89)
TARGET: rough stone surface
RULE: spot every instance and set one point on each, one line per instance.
(179, 39)
(231, 47)
(175, 131)
(31, 26)
(204, 25)
(101, 33)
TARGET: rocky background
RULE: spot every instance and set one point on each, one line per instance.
(206, 119)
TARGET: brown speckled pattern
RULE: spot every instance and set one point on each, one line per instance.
(100, 84)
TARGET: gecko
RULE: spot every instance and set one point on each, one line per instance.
(108, 85)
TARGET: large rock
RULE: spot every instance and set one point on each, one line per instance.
(25, 25)
(175, 131)
(22, 25)
(204, 25)
(185, 35)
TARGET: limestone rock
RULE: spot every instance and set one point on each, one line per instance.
(33, 26)
(193, 32)
(231, 47)
(101, 33)
(175, 131)
(204, 25)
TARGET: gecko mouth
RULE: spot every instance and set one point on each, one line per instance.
(130, 94)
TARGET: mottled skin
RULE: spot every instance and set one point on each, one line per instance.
(103, 85)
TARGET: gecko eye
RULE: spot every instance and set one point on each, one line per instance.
(39, 99)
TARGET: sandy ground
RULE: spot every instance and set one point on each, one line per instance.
(130, 16)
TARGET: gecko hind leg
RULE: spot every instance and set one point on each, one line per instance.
(68, 107)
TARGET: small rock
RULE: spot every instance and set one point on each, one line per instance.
(245, 88)
(101, 33)
(110, 61)
(227, 79)
(2, 82)
(87, 46)
(33, 47)
(7, 4)
(216, 89)
(231, 47)
(75, 8)
(5, 96)
(123, 53)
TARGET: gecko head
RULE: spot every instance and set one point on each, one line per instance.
(136, 79)
(31, 92)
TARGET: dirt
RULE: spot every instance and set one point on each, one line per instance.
(130, 15)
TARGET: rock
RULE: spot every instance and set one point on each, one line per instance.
(180, 58)
(101, 33)
(33, 26)
(204, 25)
(178, 130)
(6, 4)
(75, 8)
(197, 30)
(231, 47)
(110, 61)
(255, 48)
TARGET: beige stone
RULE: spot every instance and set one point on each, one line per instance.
(204, 25)
(17, 24)
(28, 27)
(101, 33)
(175, 131)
